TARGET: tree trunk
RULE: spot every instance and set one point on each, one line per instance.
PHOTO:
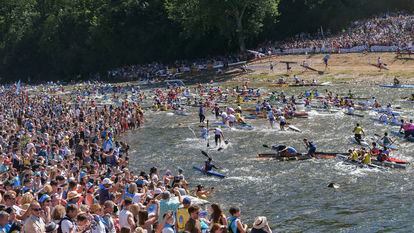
(240, 34)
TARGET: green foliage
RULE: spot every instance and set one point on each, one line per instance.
(65, 39)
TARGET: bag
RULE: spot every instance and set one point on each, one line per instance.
(59, 230)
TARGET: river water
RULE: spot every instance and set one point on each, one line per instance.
(293, 195)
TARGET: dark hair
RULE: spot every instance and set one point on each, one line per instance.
(193, 209)
(81, 217)
(234, 210)
(142, 217)
(71, 207)
(217, 213)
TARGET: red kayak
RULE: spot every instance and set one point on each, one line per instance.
(395, 160)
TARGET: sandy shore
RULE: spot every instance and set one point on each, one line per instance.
(343, 68)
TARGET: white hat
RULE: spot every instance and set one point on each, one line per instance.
(106, 181)
(260, 222)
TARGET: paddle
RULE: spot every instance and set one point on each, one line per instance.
(379, 137)
(208, 138)
(205, 154)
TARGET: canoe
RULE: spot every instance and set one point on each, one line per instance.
(363, 142)
(375, 163)
(397, 86)
(209, 173)
(317, 155)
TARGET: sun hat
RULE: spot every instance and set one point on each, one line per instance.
(260, 222)
(106, 181)
(51, 227)
(72, 195)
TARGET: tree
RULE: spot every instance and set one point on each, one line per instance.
(236, 20)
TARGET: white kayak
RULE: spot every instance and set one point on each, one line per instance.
(362, 142)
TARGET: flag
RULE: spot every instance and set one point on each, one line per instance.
(18, 87)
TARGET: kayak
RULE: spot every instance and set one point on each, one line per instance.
(383, 110)
(353, 114)
(243, 126)
(397, 86)
(401, 135)
(317, 155)
(181, 113)
(345, 159)
(294, 128)
(389, 146)
(209, 173)
(362, 142)
(387, 122)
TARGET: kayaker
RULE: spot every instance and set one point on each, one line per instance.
(374, 149)
(394, 120)
(204, 133)
(271, 118)
(218, 136)
(367, 158)
(351, 110)
(217, 111)
(396, 82)
(386, 141)
(201, 113)
(383, 118)
(231, 119)
(358, 133)
(258, 107)
(310, 146)
(239, 118)
(288, 151)
(353, 155)
(282, 122)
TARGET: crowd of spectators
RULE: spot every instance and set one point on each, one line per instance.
(62, 170)
(386, 30)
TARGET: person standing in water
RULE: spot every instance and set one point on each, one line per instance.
(201, 113)
(218, 136)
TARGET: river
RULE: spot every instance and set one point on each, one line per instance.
(293, 195)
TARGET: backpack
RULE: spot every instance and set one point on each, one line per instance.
(230, 230)
(59, 230)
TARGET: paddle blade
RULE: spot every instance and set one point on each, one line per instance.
(265, 146)
(226, 142)
(205, 153)
(220, 149)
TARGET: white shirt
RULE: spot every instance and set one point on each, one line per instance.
(123, 218)
(231, 118)
(67, 226)
(137, 198)
(218, 132)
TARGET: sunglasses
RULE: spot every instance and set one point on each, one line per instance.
(37, 209)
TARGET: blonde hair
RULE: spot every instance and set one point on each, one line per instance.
(134, 208)
(27, 198)
(58, 212)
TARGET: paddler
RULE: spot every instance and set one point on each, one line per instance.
(239, 118)
(208, 166)
(218, 136)
(351, 110)
(310, 146)
(271, 118)
(374, 149)
(367, 158)
(383, 118)
(396, 82)
(353, 155)
(386, 141)
(282, 122)
(201, 113)
(394, 120)
(358, 131)
(287, 151)
(204, 133)
(239, 99)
